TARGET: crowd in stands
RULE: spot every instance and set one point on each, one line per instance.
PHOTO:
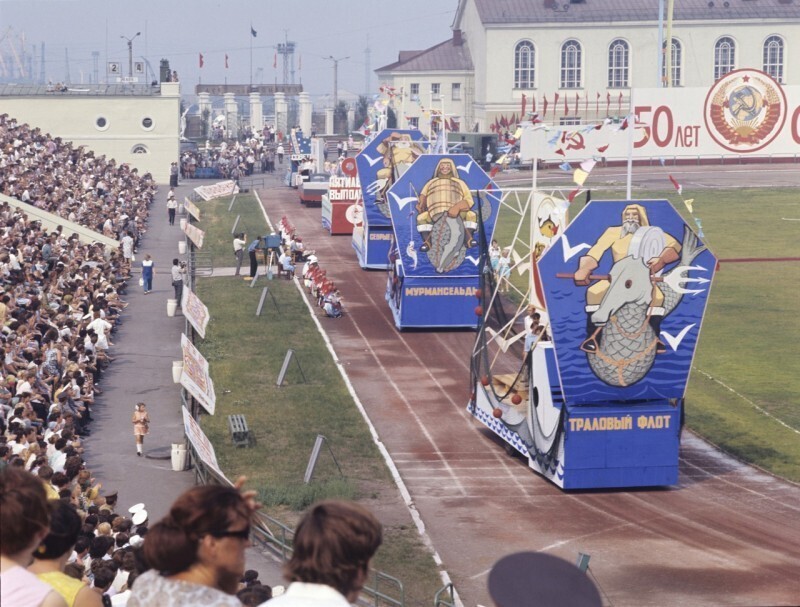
(60, 302)
(315, 279)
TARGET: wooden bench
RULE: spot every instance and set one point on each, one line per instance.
(240, 433)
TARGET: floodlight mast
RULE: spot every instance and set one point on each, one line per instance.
(336, 78)
(130, 52)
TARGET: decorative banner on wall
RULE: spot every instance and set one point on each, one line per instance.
(381, 163)
(434, 207)
(745, 112)
(199, 440)
(195, 378)
(195, 234)
(217, 190)
(191, 208)
(195, 312)
(626, 286)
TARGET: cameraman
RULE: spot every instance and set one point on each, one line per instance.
(178, 271)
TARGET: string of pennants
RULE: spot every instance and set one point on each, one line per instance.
(561, 140)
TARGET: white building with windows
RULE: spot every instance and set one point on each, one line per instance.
(577, 60)
(138, 124)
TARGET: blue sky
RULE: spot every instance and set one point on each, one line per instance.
(181, 29)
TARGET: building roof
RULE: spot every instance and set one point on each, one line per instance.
(500, 12)
(78, 90)
(446, 56)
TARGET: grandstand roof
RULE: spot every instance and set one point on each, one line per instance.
(79, 90)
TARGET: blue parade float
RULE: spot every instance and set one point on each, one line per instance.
(380, 163)
(442, 208)
(601, 405)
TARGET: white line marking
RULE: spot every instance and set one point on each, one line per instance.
(459, 406)
(748, 401)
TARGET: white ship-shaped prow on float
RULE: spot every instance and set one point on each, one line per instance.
(518, 396)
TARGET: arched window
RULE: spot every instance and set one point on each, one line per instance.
(524, 65)
(724, 57)
(677, 59)
(773, 57)
(618, 64)
(571, 62)
(140, 148)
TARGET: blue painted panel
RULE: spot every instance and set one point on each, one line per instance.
(434, 207)
(436, 302)
(380, 163)
(621, 445)
(627, 315)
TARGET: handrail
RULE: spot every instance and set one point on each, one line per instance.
(440, 601)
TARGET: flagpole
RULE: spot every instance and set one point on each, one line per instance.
(631, 129)
(251, 56)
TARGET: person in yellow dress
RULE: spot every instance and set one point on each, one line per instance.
(141, 426)
(51, 556)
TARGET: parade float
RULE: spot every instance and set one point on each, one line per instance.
(380, 163)
(342, 206)
(441, 209)
(590, 388)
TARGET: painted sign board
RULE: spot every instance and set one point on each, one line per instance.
(436, 207)
(626, 286)
(746, 113)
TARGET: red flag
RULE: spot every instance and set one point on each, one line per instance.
(524, 103)
(555, 102)
(566, 109)
(577, 99)
(675, 183)
(226, 61)
(573, 194)
(602, 148)
(619, 102)
(544, 107)
(495, 170)
(201, 59)
(275, 60)
(533, 104)
(608, 102)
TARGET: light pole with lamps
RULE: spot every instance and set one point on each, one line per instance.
(130, 52)
(335, 80)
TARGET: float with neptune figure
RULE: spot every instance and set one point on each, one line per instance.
(625, 287)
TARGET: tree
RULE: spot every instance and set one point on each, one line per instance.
(391, 118)
(362, 111)
(340, 117)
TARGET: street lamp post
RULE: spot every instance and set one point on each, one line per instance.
(130, 52)
(336, 80)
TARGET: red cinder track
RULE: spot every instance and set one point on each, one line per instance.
(726, 535)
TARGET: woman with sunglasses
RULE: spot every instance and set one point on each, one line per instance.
(196, 552)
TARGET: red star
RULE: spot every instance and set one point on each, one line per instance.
(746, 78)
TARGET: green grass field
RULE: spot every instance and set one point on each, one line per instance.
(245, 354)
(745, 386)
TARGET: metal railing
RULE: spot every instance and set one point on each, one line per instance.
(445, 597)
